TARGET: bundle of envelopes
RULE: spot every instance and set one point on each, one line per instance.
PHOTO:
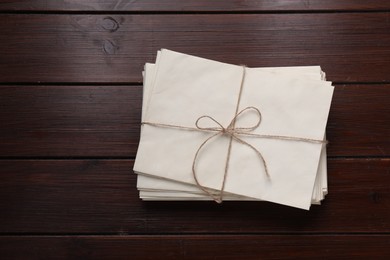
(217, 131)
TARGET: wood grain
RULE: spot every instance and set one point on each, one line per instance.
(100, 197)
(351, 47)
(98, 121)
(69, 121)
(70, 105)
(193, 247)
(195, 5)
(359, 121)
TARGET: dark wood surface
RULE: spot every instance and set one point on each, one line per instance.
(103, 121)
(195, 5)
(199, 247)
(350, 47)
(100, 197)
(70, 105)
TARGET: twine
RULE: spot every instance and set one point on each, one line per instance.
(233, 133)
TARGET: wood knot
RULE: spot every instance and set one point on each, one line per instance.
(109, 47)
(109, 24)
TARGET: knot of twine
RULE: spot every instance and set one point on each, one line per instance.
(233, 132)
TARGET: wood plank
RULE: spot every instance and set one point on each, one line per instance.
(351, 47)
(194, 5)
(69, 121)
(197, 247)
(104, 121)
(358, 123)
(100, 197)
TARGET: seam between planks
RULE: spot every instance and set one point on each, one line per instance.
(137, 12)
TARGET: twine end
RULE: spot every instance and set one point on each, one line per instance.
(219, 201)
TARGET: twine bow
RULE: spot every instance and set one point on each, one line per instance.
(232, 132)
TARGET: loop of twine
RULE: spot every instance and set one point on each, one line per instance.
(233, 133)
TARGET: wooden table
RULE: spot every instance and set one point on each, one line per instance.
(70, 97)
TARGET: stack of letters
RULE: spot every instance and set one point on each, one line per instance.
(216, 131)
